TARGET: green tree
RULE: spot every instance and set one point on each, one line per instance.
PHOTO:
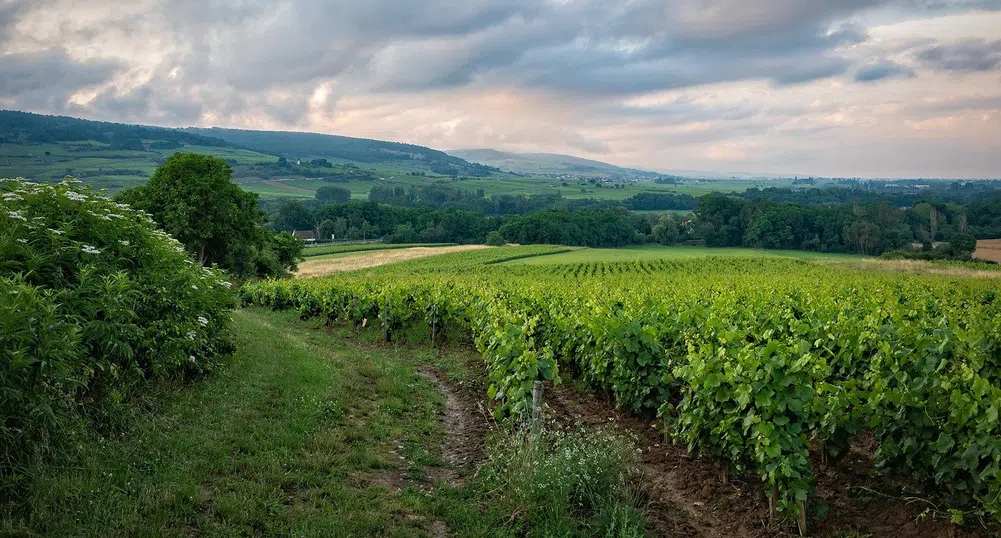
(962, 245)
(495, 239)
(193, 198)
(326, 230)
(340, 228)
(333, 195)
(666, 231)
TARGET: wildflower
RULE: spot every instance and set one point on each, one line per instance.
(194, 287)
(124, 242)
(75, 196)
(203, 321)
(57, 232)
(90, 250)
(25, 241)
(16, 215)
(11, 197)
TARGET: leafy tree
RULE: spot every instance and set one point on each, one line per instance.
(326, 230)
(193, 198)
(333, 195)
(495, 239)
(963, 245)
(666, 231)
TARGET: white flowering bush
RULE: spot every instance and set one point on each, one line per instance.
(95, 304)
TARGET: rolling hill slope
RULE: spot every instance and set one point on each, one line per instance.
(551, 164)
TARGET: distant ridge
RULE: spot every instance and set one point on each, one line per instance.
(554, 164)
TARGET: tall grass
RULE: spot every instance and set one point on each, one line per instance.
(565, 483)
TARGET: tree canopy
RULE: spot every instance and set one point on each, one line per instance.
(193, 198)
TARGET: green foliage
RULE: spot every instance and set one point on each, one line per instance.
(495, 239)
(666, 230)
(749, 360)
(332, 194)
(565, 483)
(95, 303)
(193, 198)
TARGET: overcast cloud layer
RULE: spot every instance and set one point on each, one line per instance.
(822, 87)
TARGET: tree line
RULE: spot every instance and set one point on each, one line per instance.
(718, 220)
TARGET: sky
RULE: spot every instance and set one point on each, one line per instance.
(867, 88)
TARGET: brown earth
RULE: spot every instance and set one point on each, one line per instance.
(988, 249)
(364, 260)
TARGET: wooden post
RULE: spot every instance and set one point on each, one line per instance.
(773, 496)
(801, 518)
(537, 408)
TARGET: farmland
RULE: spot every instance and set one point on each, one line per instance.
(777, 370)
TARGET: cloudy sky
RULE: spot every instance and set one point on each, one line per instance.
(822, 87)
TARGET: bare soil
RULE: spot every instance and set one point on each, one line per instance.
(688, 496)
(365, 260)
(988, 249)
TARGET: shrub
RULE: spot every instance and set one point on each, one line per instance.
(495, 239)
(95, 303)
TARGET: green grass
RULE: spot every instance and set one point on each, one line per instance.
(304, 432)
(657, 252)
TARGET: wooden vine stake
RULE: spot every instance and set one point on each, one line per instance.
(773, 497)
(537, 409)
(801, 518)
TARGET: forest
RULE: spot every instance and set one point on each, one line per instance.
(718, 220)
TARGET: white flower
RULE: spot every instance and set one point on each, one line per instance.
(191, 358)
(90, 250)
(57, 232)
(11, 197)
(203, 321)
(75, 196)
(16, 215)
(25, 241)
(227, 284)
(194, 287)
(124, 242)
(191, 335)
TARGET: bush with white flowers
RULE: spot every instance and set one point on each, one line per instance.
(95, 303)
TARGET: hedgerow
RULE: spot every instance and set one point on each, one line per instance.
(96, 303)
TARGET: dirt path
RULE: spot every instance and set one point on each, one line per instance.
(465, 423)
(364, 260)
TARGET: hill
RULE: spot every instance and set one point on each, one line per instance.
(552, 164)
(407, 157)
(116, 156)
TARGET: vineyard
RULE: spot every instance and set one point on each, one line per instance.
(758, 363)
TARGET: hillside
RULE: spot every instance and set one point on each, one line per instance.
(362, 151)
(551, 164)
(117, 156)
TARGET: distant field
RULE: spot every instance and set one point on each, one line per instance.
(339, 263)
(988, 249)
(328, 250)
(657, 252)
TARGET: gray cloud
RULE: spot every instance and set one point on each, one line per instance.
(47, 79)
(882, 70)
(967, 55)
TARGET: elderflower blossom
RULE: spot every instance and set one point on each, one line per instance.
(192, 335)
(194, 287)
(57, 232)
(75, 196)
(203, 321)
(16, 215)
(25, 241)
(90, 250)
(12, 197)
(124, 242)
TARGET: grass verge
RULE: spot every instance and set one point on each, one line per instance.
(307, 432)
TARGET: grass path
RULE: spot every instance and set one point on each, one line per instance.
(300, 434)
(335, 263)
